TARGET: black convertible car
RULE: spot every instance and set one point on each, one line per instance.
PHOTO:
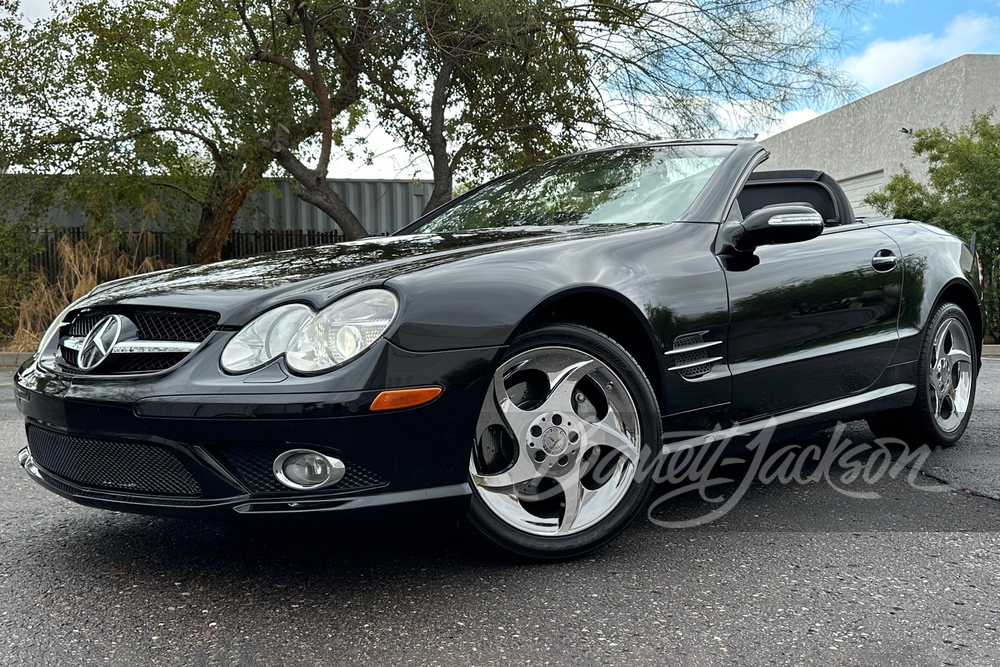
(519, 356)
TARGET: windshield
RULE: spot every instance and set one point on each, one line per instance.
(626, 185)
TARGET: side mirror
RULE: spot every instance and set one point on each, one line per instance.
(780, 223)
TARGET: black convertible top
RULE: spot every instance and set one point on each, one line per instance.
(813, 187)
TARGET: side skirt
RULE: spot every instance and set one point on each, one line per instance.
(852, 407)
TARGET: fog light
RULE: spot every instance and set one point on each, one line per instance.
(305, 470)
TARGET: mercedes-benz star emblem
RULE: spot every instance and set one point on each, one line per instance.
(99, 343)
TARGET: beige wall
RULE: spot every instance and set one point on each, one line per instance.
(863, 137)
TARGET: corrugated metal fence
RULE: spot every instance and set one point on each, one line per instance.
(273, 218)
(382, 206)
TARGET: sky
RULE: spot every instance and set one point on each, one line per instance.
(888, 41)
(891, 40)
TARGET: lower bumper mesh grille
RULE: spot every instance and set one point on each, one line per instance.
(122, 466)
(252, 465)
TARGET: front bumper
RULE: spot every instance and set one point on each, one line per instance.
(196, 442)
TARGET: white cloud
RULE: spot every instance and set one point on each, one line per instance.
(885, 62)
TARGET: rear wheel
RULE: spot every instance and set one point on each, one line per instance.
(553, 468)
(946, 385)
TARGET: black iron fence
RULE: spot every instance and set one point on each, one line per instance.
(178, 252)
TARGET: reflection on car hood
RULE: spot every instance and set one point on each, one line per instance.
(240, 287)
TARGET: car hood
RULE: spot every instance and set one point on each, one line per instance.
(241, 288)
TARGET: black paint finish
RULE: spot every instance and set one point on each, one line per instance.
(798, 325)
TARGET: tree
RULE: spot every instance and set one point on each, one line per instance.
(202, 96)
(331, 39)
(480, 86)
(962, 194)
(496, 90)
(149, 93)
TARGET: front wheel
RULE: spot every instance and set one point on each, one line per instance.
(946, 385)
(554, 467)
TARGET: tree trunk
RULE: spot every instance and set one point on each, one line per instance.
(437, 139)
(322, 197)
(442, 192)
(218, 215)
(313, 188)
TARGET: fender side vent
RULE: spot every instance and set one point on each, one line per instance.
(693, 355)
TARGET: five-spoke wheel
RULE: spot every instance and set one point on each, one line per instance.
(558, 444)
(950, 378)
(946, 385)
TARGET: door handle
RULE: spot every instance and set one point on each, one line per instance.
(884, 260)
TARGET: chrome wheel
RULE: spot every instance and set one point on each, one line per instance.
(950, 376)
(557, 442)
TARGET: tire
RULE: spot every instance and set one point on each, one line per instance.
(576, 439)
(929, 421)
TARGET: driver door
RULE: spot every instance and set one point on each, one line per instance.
(813, 321)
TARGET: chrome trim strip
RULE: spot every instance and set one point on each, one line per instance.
(695, 364)
(154, 347)
(693, 348)
(138, 346)
(785, 419)
(75, 344)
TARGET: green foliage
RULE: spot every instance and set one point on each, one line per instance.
(139, 107)
(16, 248)
(904, 197)
(962, 196)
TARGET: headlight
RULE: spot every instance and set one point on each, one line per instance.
(342, 331)
(312, 342)
(264, 339)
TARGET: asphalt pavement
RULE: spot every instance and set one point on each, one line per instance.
(794, 573)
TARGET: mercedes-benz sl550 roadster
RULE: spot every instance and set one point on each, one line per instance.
(519, 357)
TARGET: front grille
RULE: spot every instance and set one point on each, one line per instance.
(149, 363)
(151, 324)
(133, 467)
(251, 464)
(69, 356)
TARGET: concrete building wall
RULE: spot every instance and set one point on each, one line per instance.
(860, 144)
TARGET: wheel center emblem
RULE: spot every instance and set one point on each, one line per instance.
(554, 441)
(99, 343)
(943, 374)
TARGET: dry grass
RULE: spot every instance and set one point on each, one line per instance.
(83, 266)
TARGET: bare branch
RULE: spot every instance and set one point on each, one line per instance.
(284, 63)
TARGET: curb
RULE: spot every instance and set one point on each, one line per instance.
(991, 350)
(13, 360)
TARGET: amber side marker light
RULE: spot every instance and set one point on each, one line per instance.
(404, 398)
